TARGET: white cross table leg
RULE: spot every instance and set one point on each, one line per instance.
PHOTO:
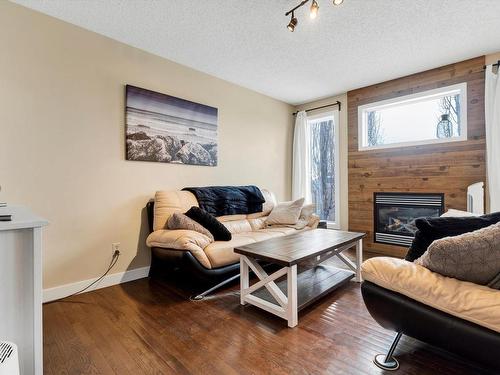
(291, 308)
(286, 306)
(359, 260)
(245, 279)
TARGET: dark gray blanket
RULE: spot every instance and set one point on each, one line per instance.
(228, 200)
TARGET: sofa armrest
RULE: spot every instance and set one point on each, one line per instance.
(475, 303)
(181, 239)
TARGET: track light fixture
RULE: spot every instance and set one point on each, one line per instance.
(314, 9)
(292, 23)
(313, 12)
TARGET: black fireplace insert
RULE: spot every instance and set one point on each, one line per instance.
(395, 215)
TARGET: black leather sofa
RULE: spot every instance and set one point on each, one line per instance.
(404, 315)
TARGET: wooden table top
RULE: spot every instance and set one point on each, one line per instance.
(292, 249)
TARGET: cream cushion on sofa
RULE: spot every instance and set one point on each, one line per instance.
(475, 303)
(224, 219)
(238, 226)
(280, 230)
(221, 253)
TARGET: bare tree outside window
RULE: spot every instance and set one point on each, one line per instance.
(375, 132)
(322, 138)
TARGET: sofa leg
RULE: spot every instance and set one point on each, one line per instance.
(387, 361)
(200, 296)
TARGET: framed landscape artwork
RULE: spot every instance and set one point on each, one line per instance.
(167, 129)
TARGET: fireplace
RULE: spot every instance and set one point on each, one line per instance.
(395, 215)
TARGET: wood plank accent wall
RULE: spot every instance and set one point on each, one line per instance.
(439, 168)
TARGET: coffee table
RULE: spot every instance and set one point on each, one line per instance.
(286, 296)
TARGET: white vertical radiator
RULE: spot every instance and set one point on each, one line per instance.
(475, 198)
(9, 359)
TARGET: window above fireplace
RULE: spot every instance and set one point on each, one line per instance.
(433, 116)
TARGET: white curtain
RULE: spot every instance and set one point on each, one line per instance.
(301, 159)
(492, 105)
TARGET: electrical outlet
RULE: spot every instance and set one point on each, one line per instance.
(115, 246)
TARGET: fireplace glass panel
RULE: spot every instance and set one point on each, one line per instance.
(401, 220)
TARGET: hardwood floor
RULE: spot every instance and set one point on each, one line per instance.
(150, 327)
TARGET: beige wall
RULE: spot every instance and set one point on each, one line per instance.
(62, 139)
(344, 214)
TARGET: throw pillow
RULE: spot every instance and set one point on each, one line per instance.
(285, 212)
(304, 218)
(214, 226)
(431, 229)
(473, 256)
(181, 221)
(307, 211)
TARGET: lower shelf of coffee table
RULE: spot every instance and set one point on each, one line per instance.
(312, 284)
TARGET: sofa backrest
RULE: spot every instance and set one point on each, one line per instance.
(168, 202)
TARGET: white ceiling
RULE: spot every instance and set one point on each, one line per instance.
(246, 42)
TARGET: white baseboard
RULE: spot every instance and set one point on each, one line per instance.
(52, 294)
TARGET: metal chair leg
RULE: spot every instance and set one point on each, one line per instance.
(200, 296)
(387, 361)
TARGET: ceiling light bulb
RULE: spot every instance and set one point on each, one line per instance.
(337, 2)
(314, 9)
(293, 23)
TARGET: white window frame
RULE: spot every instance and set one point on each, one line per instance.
(460, 88)
(332, 115)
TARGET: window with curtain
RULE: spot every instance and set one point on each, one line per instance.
(323, 151)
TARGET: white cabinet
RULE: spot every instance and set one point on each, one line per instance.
(21, 286)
